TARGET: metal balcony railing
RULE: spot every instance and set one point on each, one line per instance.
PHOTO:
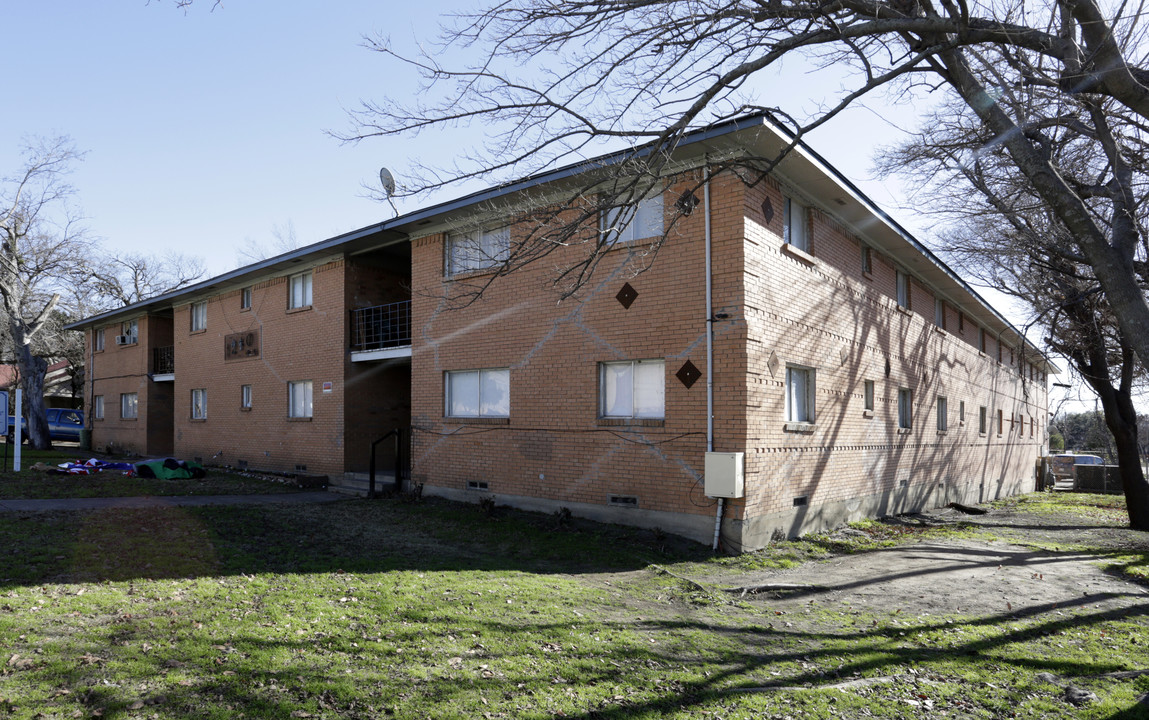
(382, 326)
(164, 360)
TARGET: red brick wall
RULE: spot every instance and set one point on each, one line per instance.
(119, 369)
(295, 345)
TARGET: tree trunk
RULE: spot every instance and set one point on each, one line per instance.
(1118, 410)
(32, 372)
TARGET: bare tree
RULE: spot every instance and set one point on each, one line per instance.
(43, 255)
(555, 81)
(283, 239)
(127, 278)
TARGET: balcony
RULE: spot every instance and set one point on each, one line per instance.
(381, 332)
(164, 364)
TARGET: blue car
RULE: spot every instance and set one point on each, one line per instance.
(63, 424)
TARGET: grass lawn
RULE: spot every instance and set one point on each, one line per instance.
(30, 484)
(396, 609)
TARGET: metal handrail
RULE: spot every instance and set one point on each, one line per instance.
(398, 434)
(381, 326)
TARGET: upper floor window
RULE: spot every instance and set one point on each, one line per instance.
(795, 224)
(868, 395)
(943, 414)
(632, 389)
(867, 259)
(940, 313)
(477, 250)
(982, 422)
(245, 299)
(130, 331)
(299, 291)
(636, 221)
(479, 393)
(903, 290)
(981, 339)
(799, 394)
(199, 316)
(98, 340)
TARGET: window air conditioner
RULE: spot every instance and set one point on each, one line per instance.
(123, 339)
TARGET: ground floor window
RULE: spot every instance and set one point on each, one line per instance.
(299, 399)
(799, 394)
(905, 408)
(245, 397)
(982, 420)
(199, 404)
(129, 405)
(943, 414)
(632, 389)
(478, 393)
(869, 395)
(98, 407)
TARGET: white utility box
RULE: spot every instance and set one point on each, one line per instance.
(723, 475)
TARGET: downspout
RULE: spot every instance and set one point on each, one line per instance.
(710, 348)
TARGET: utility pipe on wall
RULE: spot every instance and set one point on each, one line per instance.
(710, 347)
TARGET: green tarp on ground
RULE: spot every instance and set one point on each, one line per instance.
(170, 469)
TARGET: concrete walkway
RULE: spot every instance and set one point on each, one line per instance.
(166, 501)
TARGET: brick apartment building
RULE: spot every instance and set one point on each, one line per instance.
(852, 374)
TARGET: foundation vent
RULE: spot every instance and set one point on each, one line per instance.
(477, 485)
(624, 500)
(198, 459)
(300, 468)
(241, 464)
(801, 501)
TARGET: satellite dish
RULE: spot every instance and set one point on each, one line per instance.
(388, 181)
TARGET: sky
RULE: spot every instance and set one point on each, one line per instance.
(205, 130)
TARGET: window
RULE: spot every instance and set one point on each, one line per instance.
(131, 330)
(633, 222)
(998, 350)
(98, 407)
(245, 299)
(961, 413)
(1000, 421)
(245, 397)
(98, 340)
(867, 260)
(940, 313)
(632, 389)
(129, 405)
(795, 229)
(903, 290)
(479, 393)
(981, 339)
(943, 414)
(467, 252)
(868, 394)
(299, 291)
(982, 420)
(299, 399)
(199, 316)
(799, 394)
(1031, 426)
(905, 408)
(199, 404)
(961, 321)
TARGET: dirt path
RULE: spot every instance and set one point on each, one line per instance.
(969, 577)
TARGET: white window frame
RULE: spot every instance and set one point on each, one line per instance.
(867, 260)
(905, 408)
(983, 420)
(245, 298)
(482, 393)
(632, 389)
(477, 250)
(961, 412)
(245, 397)
(131, 329)
(300, 399)
(98, 407)
(903, 290)
(199, 404)
(98, 339)
(631, 223)
(943, 414)
(801, 387)
(299, 288)
(868, 395)
(129, 406)
(940, 313)
(795, 224)
(199, 316)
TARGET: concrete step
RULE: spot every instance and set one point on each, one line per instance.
(359, 484)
